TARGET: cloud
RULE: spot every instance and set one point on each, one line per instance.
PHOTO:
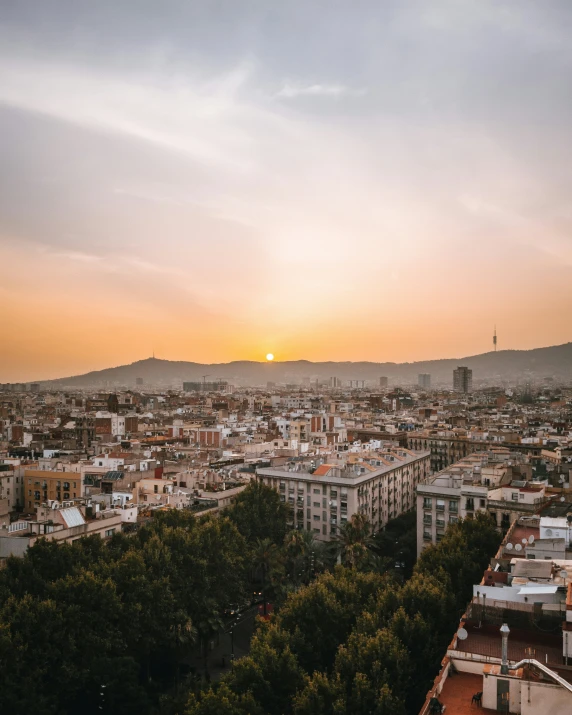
(335, 91)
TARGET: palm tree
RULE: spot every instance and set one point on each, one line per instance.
(267, 561)
(354, 541)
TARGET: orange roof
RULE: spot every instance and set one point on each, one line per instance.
(322, 470)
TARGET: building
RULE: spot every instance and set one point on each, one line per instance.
(424, 381)
(219, 386)
(381, 485)
(383, 381)
(56, 523)
(42, 486)
(513, 647)
(463, 380)
(335, 382)
(496, 482)
(139, 381)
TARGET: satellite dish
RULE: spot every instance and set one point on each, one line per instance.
(462, 634)
(548, 532)
(564, 573)
(562, 498)
(518, 547)
(509, 547)
(531, 539)
(525, 541)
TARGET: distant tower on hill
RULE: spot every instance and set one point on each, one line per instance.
(495, 339)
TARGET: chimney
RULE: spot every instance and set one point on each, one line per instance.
(505, 630)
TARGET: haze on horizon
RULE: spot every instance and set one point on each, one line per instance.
(318, 180)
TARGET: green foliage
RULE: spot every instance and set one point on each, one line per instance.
(352, 638)
(358, 641)
(258, 514)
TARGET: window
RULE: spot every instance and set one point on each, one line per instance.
(515, 496)
(324, 529)
(316, 491)
(316, 517)
(308, 513)
(156, 489)
(316, 505)
(521, 496)
(440, 505)
(110, 532)
(427, 519)
(308, 500)
(453, 519)
(470, 504)
(440, 523)
(454, 506)
(324, 502)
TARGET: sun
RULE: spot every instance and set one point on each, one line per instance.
(270, 357)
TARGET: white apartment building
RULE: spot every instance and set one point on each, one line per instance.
(380, 485)
(496, 482)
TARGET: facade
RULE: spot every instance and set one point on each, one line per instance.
(383, 381)
(58, 524)
(424, 381)
(42, 486)
(495, 482)
(463, 380)
(380, 485)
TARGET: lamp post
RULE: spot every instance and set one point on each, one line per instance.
(505, 630)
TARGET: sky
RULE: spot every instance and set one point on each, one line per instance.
(327, 180)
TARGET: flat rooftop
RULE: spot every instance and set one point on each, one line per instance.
(486, 641)
(458, 691)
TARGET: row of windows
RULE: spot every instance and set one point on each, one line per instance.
(44, 484)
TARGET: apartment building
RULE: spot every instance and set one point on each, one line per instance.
(495, 481)
(42, 486)
(381, 485)
(512, 652)
(11, 485)
(463, 380)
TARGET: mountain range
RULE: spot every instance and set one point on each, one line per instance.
(504, 365)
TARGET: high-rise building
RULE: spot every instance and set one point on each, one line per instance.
(424, 380)
(383, 381)
(138, 380)
(463, 380)
(335, 382)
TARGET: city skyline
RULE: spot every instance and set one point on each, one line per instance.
(302, 180)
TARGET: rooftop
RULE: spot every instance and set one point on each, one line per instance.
(458, 691)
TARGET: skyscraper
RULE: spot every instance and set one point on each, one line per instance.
(383, 381)
(462, 380)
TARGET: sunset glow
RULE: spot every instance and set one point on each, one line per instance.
(266, 189)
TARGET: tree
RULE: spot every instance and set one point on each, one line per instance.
(258, 513)
(355, 541)
(268, 567)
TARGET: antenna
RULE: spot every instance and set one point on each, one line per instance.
(495, 339)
